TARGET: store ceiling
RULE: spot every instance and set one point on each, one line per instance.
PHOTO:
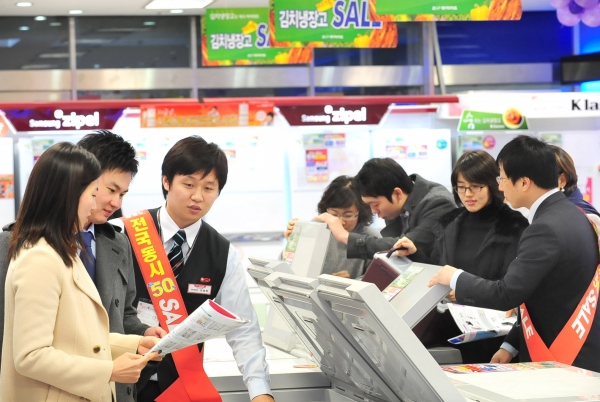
(136, 7)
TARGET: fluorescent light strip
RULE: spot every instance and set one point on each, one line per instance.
(177, 4)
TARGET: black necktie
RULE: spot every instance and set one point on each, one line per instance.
(176, 253)
(87, 256)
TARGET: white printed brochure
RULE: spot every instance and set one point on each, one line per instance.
(208, 321)
(479, 323)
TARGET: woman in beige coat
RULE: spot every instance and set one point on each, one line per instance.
(57, 345)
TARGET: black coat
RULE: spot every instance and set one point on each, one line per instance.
(498, 250)
(555, 264)
(427, 202)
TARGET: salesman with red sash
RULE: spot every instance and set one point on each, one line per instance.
(554, 279)
(181, 261)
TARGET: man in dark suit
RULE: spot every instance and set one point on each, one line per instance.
(554, 271)
(410, 205)
(113, 263)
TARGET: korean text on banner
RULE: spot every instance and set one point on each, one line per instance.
(207, 115)
(330, 23)
(444, 10)
(242, 36)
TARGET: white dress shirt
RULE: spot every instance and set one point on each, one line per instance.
(246, 341)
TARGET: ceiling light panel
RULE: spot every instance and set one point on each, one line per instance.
(75, 11)
(177, 4)
(24, 4)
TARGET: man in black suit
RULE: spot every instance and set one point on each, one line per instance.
(554, 271)
(410, 205)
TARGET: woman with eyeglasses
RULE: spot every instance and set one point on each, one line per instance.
(481, 237)
(342, 200)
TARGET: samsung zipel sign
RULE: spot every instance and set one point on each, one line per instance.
(68, 121)
(342, 115)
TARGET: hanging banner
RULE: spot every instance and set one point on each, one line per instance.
(241, 36)
(333, 115)
(448, 10)
(330, 23)
(207, 115)
(511, 119)
(45, 119)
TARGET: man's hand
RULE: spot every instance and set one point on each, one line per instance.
(342, 274)
(289, 228)
(407, 244)
(263, 398)
(443, 276)
(501, 356)
(336, 227)
(451, 296)
(510, 313)
(155, 331)
(147, 343)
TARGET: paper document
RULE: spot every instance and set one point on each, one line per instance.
(479, 323)
(208, 321)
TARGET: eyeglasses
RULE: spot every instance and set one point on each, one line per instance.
(472, 189)
(346, 217)
(501, 179)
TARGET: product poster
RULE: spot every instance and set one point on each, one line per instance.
(330, 23)
(39, 146)
(511, 119)
(241, 36)
(317, 169)
(207, 115)
(292, 245)
(324, 140)
(452, 10)
(587, 193)
(401, 152)
(7, 186)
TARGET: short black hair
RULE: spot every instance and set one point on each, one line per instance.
(478, 167)
(342, 193)
(380, 176)
(529, 157)
(192, 155)
(57, 180)
(113, 152)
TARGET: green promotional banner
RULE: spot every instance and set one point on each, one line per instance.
(330, 23)
(242, 36)
(449, 10)
(511, 119)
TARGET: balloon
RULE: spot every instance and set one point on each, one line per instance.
(566, 18)
(575, 8)
(559, 3)
(586, 3)
(591, 18)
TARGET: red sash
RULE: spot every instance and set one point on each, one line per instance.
(570, 340)
(193, 385)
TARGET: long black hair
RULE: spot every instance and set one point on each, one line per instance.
(51, 201)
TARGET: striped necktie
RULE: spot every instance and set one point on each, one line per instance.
(87, 255)
(176, 253)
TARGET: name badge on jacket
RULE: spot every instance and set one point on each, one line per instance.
(197, 289)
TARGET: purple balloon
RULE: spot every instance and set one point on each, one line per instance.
(591, 18)
(575, 8)
(559, 3)
(587, 4)
(567, 18)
